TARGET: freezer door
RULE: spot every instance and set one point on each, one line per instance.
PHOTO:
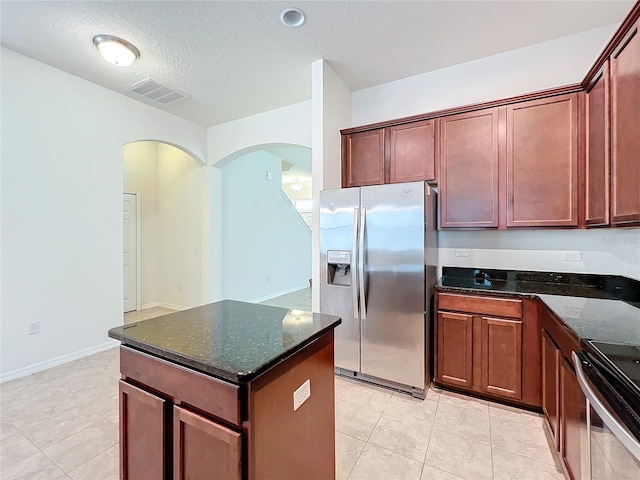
(393, 332)
(339, 210)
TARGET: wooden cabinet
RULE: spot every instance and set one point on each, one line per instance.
(564, 404)
(501, 357)
(625, 121)
(597, 150)
(412, 152)
(468, 180)
(542, 162)
(178, 423)
(395, 154)
(203, 448)
(143, 449)
(363, 158)
(572, 413)
(489, 346)
(550, 385)
(455, 347)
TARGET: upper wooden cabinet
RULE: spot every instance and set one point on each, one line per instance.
(542, 162)
(469, 169)
(363, 158)
(412, 152)
(597, 150)
(625, 125)
(396, 154)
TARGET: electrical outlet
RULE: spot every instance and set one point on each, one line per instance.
(34, 327)
(462, 253)
(572, 312)
(572, 256)
(301, 394)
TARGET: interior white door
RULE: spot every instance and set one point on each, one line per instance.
(130, 252)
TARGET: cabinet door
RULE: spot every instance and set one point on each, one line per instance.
(455, 349)
(502, 357)
(542, 162)
(142, 434)
(412, 152)
(203, 448)
(363, 161)
(469, 169)
(597, 168)
(625, 122)
(550, 378)
(572, 414)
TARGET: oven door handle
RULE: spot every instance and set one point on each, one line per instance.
(619, 430)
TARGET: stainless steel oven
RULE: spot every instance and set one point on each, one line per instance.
(613, 420)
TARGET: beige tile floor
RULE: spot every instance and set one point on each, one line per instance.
(62, 423)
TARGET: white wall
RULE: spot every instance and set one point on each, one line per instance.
(62, 184)
(181, 185)
(604, 251)
(266, 245)
(228, 141)
(544, 65)
(331, 113)
(170, 186)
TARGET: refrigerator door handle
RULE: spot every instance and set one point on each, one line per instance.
(361, 282)
(354, 276)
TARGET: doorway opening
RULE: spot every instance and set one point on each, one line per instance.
(163, 238)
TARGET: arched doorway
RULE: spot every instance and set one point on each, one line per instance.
(265, 224)
(165, 272)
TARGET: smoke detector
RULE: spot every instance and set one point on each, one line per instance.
(157, 92)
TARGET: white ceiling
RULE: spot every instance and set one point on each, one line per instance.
(235, 58)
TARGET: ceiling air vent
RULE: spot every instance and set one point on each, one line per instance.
(157, 92)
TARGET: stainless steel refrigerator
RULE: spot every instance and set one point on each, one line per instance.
(378, 254)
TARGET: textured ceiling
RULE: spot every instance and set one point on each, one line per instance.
(235, 58)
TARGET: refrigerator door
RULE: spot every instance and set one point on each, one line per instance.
(339, 212)
(393, 332)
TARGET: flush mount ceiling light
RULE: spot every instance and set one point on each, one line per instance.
(292, 17)
(116, 50)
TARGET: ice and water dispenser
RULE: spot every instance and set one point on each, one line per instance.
(339, 267)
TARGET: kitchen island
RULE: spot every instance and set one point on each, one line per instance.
(228, 390)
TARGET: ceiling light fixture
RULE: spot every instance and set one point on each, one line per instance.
(296, 187)
(116, 50)
(292, 17)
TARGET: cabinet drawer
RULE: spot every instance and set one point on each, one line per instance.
(502, 307)
(184, 386)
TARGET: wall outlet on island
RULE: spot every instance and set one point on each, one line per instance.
(33, 328)
(301, 395)
(572, 256)
(462, 253)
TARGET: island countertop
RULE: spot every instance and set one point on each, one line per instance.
(234, 341)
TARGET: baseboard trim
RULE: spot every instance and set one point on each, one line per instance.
(274, 295)
(171, 306)
(54, 362)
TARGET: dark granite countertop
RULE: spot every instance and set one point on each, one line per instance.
(231, 340)
(604, 308)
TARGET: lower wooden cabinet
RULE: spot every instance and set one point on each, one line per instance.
(551, 357)
(203, 448)
(481, 347)
(572, 413)
(501, 354)
(563, 402)
(143, 448)
(455, 347)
